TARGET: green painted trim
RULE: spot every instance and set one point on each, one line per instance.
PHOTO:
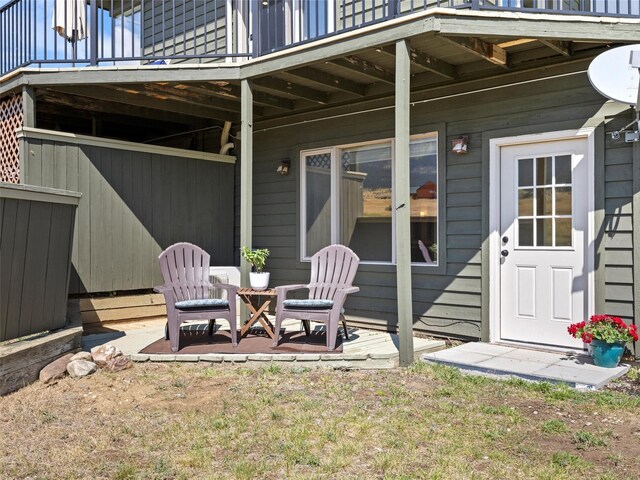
(246, 173)
(402, 200)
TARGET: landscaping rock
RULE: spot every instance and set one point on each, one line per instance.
(102, 354)
(118, 363)
(56, 369)
(82, 356)
(81, 368)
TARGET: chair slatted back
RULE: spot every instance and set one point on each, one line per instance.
(185, 268)
(332, 267)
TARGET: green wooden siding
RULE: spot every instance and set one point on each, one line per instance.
(134, 205)
(448, 300)
(195, 27)
(36, 232)
(618, 225)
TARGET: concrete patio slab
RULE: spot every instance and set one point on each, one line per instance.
(364, 349)
(576, 370)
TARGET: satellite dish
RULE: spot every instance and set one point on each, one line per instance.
(612, 74)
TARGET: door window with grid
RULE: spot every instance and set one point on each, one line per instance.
(545, 201)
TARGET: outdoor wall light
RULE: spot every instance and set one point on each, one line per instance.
(459, 145)
(283, 168)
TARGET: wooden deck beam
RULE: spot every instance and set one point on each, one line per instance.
(329, 80)
(132, 97)
(487, 51)
(428, 62)
(371, 70)
(300, 91)
(229, 90)
(79, 103)
(563, 48)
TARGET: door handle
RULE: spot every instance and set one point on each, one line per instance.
(504, 253)
(505, 240)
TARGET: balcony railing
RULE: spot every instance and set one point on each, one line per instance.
(64, 33)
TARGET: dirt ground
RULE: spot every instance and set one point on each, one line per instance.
(207, 421)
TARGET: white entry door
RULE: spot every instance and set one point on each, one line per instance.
(544, 212)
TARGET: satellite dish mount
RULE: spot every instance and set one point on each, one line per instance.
(615, 74)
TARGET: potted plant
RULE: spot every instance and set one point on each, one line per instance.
(606, 336)
(258, 279)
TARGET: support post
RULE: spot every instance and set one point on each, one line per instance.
(246, 172)
(28, 107)
(402, 199)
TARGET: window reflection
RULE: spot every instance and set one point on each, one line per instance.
(423, 178)
(318, 202)
(348, 194)
(365, 206)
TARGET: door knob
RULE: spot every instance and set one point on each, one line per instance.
(504, 253)
(505, 239)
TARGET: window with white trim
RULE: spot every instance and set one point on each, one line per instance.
(347, 197)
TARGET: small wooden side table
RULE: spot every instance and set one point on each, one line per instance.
(257, 301)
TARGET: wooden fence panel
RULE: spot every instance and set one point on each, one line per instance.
(36, 235)
(137, 200)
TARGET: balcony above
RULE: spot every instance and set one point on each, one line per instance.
(172, 86)
(80, 33)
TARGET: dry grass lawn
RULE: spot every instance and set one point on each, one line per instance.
(201, 421)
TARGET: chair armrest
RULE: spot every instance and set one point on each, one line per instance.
(349, 290)
(341, 295)
(231, 289)
(284, 289)
(162, 289)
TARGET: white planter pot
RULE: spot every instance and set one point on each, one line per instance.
(259, 281)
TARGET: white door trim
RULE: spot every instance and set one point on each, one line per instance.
(495, 146)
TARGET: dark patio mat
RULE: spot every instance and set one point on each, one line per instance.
(255, 341)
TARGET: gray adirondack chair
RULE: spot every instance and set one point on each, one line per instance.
(187, 291)
(332, 272)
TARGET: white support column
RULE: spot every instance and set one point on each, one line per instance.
(246, 173)
(402, 199)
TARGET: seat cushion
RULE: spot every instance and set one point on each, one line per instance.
(202, 304)
(311, 304)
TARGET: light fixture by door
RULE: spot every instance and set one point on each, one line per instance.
(283, 168)
(460, 145)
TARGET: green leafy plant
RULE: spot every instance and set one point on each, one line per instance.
(257, 258)
(604, 327)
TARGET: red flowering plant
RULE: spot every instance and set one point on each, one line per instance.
(607, 328)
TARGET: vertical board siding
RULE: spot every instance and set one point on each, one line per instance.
(134, 205)
(446, 300)
(192, 27)
(35, 253)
